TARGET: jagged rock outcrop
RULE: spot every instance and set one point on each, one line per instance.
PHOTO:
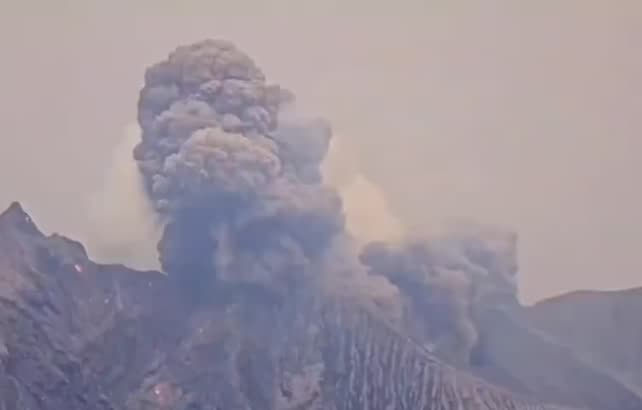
(78, 335)
(604, 328)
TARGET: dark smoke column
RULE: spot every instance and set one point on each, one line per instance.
(448, 280)
(233, 170)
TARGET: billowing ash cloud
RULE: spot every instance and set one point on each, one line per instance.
(234, 169)
(446, 278)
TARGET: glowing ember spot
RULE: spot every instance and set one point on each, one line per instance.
(165, 394)
(78, 268)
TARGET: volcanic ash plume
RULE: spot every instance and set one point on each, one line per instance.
(234, 172)
(447, 278)
(234, 169)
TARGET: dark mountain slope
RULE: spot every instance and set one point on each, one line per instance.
(529, 361)
(77, 335)
(605, 328)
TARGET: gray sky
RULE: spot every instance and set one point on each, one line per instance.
(526, 114)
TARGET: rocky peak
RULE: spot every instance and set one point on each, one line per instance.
(15, 219)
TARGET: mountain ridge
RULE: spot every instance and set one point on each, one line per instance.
(79, 335)
(604, 328)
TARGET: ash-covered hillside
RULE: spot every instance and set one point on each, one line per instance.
(265, 300)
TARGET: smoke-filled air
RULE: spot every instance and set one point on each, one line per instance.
(234, 170)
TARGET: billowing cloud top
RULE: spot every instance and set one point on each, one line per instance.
(234, 168)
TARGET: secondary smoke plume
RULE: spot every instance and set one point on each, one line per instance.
(235, 170)
(447, 277)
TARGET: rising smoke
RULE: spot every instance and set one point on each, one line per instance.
(236, 172)
(446, 278)
(122, 227)
(363, 200)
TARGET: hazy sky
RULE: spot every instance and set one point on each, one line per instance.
(527, 114)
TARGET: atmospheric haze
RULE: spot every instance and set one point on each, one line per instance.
(512, 115)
